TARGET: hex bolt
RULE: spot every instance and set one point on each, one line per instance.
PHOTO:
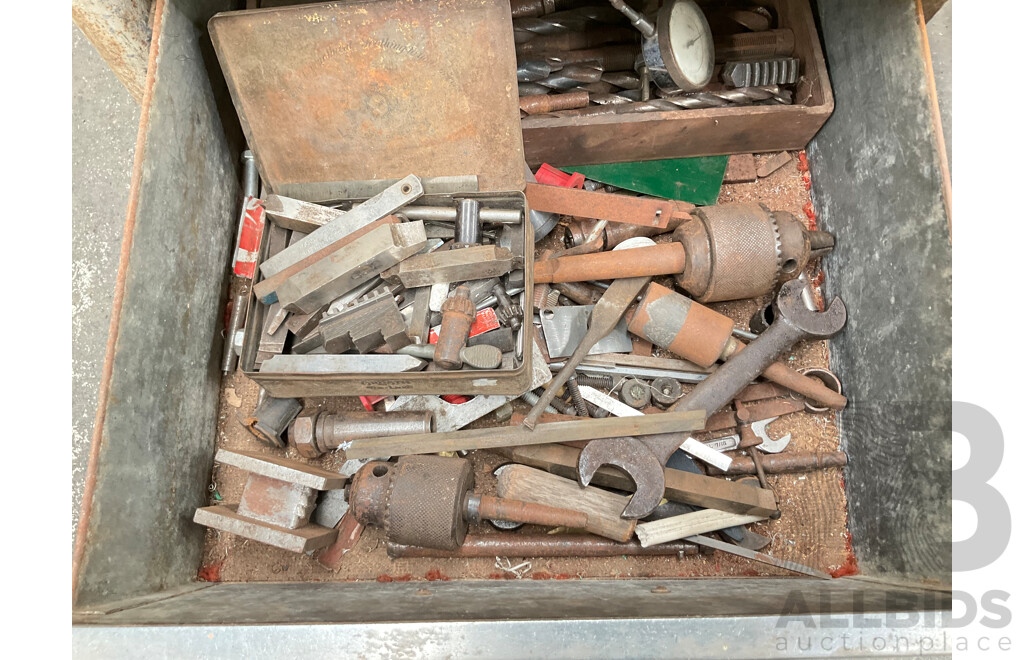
(457, 315)
(665, 391)
(319, 433)
(635, 393)
(577, 397)
(508, 312)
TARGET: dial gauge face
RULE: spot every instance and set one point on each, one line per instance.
(687, 44)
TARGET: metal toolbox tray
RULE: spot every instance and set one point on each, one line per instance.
(364, 92)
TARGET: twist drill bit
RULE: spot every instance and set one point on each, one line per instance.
(570, 20)
(532, 89)
(623, 79)
(626, 101)
(523, 8)
(534, 70)
(613, 58)
(570, 41)
(573, 75)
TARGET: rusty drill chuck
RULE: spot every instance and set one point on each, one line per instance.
(427, 501)
(457, 315)
(419, 500)
(736, 251)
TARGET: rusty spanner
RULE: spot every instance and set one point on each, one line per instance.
(607, 312)
(644, 459)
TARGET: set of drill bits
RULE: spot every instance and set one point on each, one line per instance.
(585, 58)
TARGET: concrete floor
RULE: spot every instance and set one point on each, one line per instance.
(104, 126)
(104, 121)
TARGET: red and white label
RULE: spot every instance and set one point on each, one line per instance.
(249, 238)
(486, 320)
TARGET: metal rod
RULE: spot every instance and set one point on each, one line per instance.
(775, 464)
(498, 216)
(544, 545)
(758, 556)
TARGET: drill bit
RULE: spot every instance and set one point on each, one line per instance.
(570, 20)
(623, 79)
(522, 8)
(569, 77)
(532, 89)
(625, 102)
(533, 70)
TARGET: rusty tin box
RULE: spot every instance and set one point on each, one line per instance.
(328, 95)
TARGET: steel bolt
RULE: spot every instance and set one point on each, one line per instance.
(593, 380)
(577, 397)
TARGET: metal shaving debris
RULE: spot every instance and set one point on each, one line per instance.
(519, 570)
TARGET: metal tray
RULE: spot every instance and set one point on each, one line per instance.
(513, 381)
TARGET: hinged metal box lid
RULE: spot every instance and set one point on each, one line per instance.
(376, 90)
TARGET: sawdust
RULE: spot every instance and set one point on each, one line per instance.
(812, 529)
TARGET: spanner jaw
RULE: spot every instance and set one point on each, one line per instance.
(789, 308)
(636, 460)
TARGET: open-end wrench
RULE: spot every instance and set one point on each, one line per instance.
(760, 429)
(643, 459)
(603, 319)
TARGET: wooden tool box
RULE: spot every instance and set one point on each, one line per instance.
(568, 141)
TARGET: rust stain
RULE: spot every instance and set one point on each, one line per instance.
(210, 572)
(435, 574)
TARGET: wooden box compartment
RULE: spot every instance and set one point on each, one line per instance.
(567, 141)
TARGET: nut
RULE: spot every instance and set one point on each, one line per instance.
(302, 436)
(635, 393)
(665, 391)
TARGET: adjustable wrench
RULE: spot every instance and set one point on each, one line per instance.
(644, 459)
